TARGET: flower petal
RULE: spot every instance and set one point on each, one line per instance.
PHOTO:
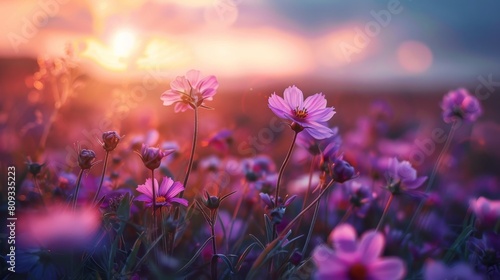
(387, 269)
(294, 97)
(182, 201)
(371, 246)
(208, 87)
(175, 189)
(315, 102)
(318, 130)
(343, 238)
(321, 115)
(278, 105)
(169, 97)
(193, 76)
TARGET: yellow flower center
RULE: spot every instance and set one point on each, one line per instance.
(160, 199)
(357, 272)
(302, 113)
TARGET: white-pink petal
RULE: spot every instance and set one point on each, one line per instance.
(294, 97)
(343, 238)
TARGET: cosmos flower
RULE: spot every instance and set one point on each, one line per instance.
(110, 140)
(190, 91)
(402, 178)
(165, 195)
(460, 104)
(310, 114)
(352, 259)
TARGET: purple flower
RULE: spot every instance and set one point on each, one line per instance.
(402, 178)
(342, 171)
(460, 104)
(310, 114)
(165, 195)
(152, 156)
(221, 140)
(360, 197)
(355, 260)
(437, 270)
(190, 91)
(487, 212)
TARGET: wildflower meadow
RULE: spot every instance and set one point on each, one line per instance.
(196, 176)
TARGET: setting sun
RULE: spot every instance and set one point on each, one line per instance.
(123, 42)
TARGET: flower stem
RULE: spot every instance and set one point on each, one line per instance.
(96, 197)
(235, 213)
(193, 148)
(282, 169)
(311, 170)
(154, 197)
(386, 209)
(75, 198)
(214, 245)
(186, 178)
(37, 185)
(276, 195)
(311, 227)
(446, 146)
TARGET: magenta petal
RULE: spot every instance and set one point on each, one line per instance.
(387, 268)
(144, 198)
(179, 200)
(180, 85)
(181, 107)
(343, 238)
(415, 183)
(371, 246)
(175, 189)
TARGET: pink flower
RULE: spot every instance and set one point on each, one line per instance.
(310, 114)
(190, 91)
(487, 212)
(356, 260)
(165, 196)
(152, 156)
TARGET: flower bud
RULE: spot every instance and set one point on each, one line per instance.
(152, 156)
(35, 168)
(86, 158)
(110, 140)
(342, 171)
(212, 202)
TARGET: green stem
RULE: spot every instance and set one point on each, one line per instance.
(75, 198)
(311, 170)
(96, 197)
(446, 146)
(214, 245)
(193, 148)
(386, 209)
(186, 178)
(276, 195)
(311, 227)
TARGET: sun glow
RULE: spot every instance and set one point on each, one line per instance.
(123, 43)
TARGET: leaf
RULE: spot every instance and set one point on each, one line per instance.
(269, 228)
(258, 241)
(226, 260)
(262, 258)
(245, 253)
(139, 263)
(132, 256)
(195, 255)
(458, 242)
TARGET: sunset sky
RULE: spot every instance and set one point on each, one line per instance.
(381, 41)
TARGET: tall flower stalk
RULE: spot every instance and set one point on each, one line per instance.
(189, 92)
(85, 161)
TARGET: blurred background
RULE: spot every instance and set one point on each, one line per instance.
(124, 54)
